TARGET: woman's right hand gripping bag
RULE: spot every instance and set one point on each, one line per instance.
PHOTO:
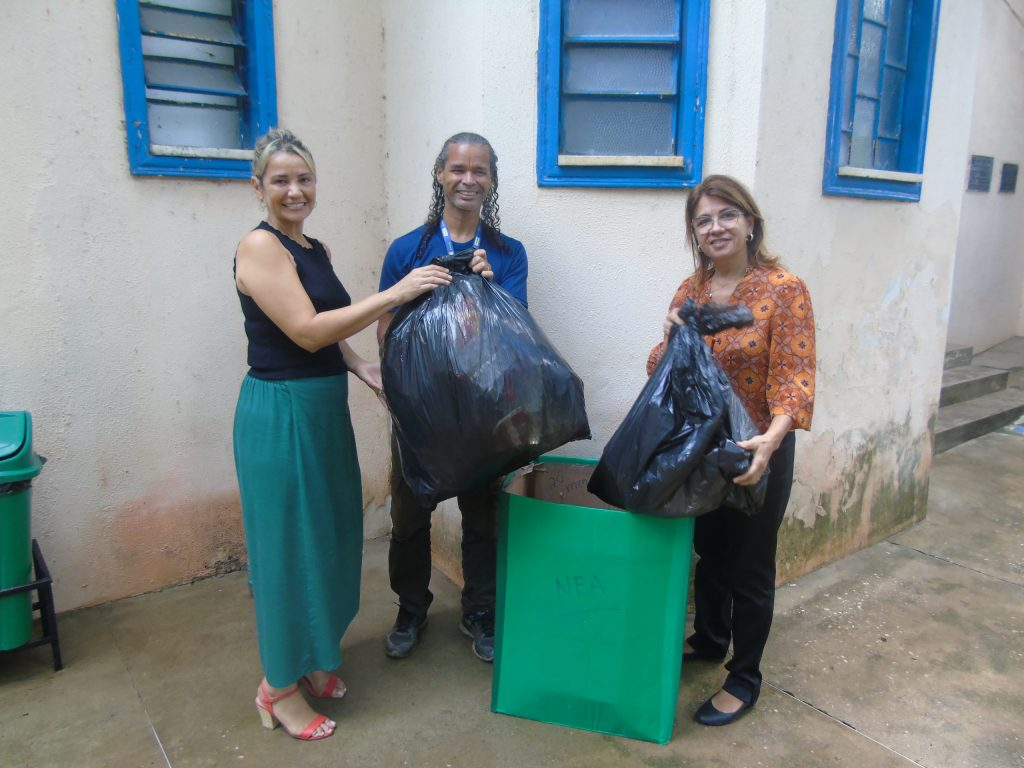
(675, 453)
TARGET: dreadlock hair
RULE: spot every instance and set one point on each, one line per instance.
(489, 216)
(737, 195)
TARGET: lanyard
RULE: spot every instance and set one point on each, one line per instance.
(448, 238)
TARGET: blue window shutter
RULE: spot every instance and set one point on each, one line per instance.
(205, 77)
(617, 86)
(882, 63)
(259, 35)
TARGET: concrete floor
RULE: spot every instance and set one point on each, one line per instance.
(910, 652)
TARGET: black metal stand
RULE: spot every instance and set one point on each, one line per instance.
(48, 617)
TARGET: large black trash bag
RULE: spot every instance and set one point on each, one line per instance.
(675, 453)
(475, 388)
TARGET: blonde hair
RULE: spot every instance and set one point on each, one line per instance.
(278, 140)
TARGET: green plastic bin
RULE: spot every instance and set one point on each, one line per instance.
(591, 607)
(18, 466)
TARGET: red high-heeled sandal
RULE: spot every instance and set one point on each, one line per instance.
(329, 689)
(265, 706)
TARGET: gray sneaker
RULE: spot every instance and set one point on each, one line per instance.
(479, 625)
(404, 636)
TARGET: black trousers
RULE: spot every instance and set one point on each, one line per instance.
(409, 554)
(734, 582)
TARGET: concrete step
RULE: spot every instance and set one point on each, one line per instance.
(969, 381)
(964, 421)
(1008, 355)
(957, 355)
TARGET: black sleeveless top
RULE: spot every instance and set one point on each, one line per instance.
(272, 355)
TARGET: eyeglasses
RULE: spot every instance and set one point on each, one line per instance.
(726, 219)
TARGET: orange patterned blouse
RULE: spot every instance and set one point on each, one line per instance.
(771, 363)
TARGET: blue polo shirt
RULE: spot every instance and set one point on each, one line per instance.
(508, 263)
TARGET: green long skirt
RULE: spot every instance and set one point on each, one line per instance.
(302, 507)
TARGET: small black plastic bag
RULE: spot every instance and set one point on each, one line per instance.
(475, 388)
(675, 453)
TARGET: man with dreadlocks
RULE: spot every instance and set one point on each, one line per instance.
(463, 214)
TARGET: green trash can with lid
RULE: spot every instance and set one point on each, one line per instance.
(19, 464)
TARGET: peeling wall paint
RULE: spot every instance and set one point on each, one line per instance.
(870, 487)
(879, 273)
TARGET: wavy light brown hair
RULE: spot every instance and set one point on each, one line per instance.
(736, 194)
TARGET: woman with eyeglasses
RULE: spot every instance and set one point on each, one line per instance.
(771, 365)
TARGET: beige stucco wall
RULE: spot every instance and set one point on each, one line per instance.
(988, 281)
(122, 333)
(604, 263)
(879, 274)
(128, 346)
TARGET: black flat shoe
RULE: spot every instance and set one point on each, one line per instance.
(708, 715)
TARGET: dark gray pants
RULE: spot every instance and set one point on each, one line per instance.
(409, 554)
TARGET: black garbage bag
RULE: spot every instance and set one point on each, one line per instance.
(475, 388)
(675, 453)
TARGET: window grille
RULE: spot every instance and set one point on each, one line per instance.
(199, 84)
(882, 63)
(621, 100)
